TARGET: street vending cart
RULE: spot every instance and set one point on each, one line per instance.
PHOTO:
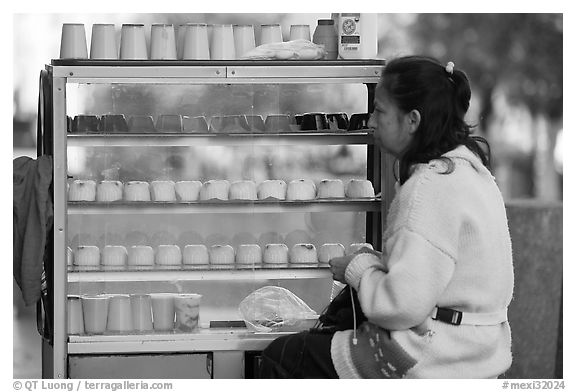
(146, 154)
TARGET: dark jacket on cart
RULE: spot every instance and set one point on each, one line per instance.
(33, 217)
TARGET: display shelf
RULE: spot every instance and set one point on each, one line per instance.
(219, 139)
(295, 271)
(209, 339)
(223, 206)
(175, 71)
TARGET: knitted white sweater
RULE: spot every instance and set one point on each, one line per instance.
(446, 244)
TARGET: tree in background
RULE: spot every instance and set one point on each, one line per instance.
(518, 55)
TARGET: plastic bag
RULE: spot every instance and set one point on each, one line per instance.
(272, 308)
(299, 49)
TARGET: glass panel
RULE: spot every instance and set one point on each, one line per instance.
(203, 163)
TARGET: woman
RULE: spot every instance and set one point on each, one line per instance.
(436, 299)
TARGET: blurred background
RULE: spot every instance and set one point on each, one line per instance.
(514, 63)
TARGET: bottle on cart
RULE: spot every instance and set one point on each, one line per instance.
(326, 34)
(357, 35)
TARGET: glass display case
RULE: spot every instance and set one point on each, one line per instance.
(174, 178)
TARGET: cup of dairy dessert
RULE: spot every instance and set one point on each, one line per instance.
(169, 123)
(222, 42)
(277, 123)
(103, 42)
(141, 123)
(84, 123)
(255, 123)
(337, 121)
(73, 41)
(141, 305)
(187, 311)
(113, 123)
(196, 44)
(119, 314)
(163, 311)
(270, 33)
(243, 39)
(162, 42)
(300, 31)
(194, 124)
(358, 121)
(314, 121)
(133, 42)
(95, 312)
(75, 316)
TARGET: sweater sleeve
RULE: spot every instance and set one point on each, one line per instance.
(404, 296)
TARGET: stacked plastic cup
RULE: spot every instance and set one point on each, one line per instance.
(162, 42)
(196, 46)
(133, 42)
(243, 39)
(222, 42)
(103, 42)
(73, 41)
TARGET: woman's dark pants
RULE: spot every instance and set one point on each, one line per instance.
(302, 355)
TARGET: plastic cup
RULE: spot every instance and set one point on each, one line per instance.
(162, 42)
(141, 305)
(141, 123)
(73, 41)
(95, 312)
(169, 123)
(358, 121)
(113, 123)
(180, 34)
(187, 311)
(277, 123)
(75, 316)
(194, 124)
(133, 42)
(119, 314)
(243, 39)
(314, 121)
(300, 31)
(195, 45)
(103, 42)
(270, 33)
(255, 123)
(163, 311)
(222, 42)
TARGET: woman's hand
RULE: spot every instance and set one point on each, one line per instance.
(338, 267)
(338, 264)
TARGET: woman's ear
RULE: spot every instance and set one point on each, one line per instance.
(413, 118)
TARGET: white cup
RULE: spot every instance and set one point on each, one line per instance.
(187, 311)
(141, 312)
(163, 311)
(75, 316)
(270, 33)
(300, 31)
(243, 39)
(119, 314)
(195, 46)
(73, 41)
(103, 42)
(222, 42)
(162, 42)
(95, 311)
(133, 42)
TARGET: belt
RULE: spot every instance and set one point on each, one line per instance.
(456, 317)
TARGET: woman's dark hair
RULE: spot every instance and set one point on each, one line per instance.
(442, 99)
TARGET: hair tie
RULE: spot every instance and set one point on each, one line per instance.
(450, 67)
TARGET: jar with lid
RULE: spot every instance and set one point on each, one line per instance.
(326, 34)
